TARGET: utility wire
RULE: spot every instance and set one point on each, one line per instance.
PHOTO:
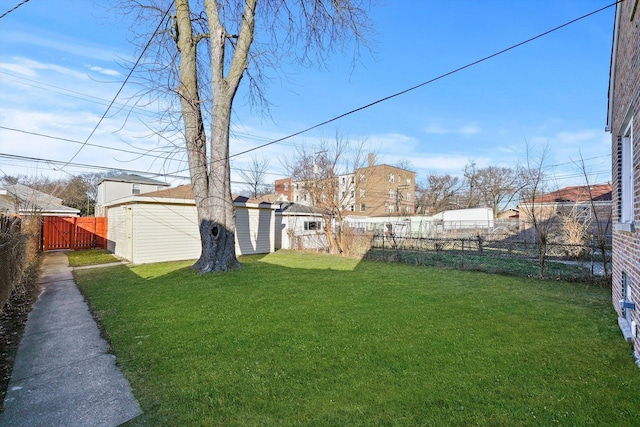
(122, 150)
(90, 166)
(13, 8)
(123, 84)
(457, 70)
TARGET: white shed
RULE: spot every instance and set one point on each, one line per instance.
(163, 226)
(299, 227)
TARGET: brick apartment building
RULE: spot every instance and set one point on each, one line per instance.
(623, 120)
(374, 190)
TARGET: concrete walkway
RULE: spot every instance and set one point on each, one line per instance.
(63, 374)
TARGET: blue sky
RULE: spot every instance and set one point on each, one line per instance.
(60, 66)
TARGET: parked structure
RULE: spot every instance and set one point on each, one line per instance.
(120, 186)
(622, 121)
(163, 226)
(18, 199)
(457, 222)
(299, 227)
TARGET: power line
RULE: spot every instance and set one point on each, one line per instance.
(90, 166)
(123, 83)
(464, 67)
(13, 8)
(120, 150)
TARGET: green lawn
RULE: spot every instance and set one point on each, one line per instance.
(85, 257)
(300, 339)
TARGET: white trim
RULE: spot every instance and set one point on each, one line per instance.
(627, 202)
(612, 69)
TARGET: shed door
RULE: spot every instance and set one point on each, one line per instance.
(129, 235)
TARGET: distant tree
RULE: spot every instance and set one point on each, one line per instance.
(437, 194)
(254, 177)
(471, 191)
(202, 54)
(405, 164)
(497, 186)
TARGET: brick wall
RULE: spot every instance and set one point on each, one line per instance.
(625, 105)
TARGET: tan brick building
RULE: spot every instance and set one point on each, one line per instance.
(623, 121)
(382, 190)
(375, 190)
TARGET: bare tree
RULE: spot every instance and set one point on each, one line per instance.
(437, 194)
(540, 216)
(254, 177)
(471, 194)
(405, 164)
(497, 186)
(602, 218)
(327, 178)
(201, 56)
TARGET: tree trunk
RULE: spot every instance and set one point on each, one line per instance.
(210, 175)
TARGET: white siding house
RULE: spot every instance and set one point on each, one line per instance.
(22, 200)
(163, 226)
(121, 186)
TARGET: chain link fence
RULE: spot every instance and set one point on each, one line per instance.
(506, 247)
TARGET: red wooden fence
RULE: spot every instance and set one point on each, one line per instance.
(74, 233)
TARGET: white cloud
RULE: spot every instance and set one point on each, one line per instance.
(64, 44)
(32, 68)
(465, 130)
(18, 69)
(105, 71)
(578, 136)
(470, 130)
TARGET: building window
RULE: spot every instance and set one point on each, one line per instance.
(626, 176)
(362, 207)
(353, 179)
(391, 193)
(343, 180)
(390, 208)
(352, 208)
(408, 181)
(312, 225)
(391, 178)
(286, 186)
(627, 302)
(135, 188)
(408, 197)
(362, 193)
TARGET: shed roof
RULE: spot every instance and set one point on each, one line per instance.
(134, 179)
(297, 208)
(185, 192)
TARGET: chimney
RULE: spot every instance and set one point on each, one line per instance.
(372, 159)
